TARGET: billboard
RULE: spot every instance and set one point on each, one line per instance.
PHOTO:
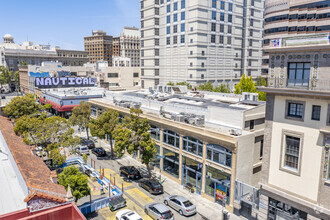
(39, 74)
(64, 82)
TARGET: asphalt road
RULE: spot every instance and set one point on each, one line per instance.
(114, 165)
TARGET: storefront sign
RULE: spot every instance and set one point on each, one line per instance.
(306, 40)
(64, 82)
(220, 192)
(38, 74)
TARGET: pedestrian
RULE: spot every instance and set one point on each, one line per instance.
(102, 192)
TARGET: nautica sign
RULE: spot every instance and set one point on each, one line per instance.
(64, 82)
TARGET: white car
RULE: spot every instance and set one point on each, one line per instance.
(127, 214)
(82, 150)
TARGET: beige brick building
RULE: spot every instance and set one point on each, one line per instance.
(99, 47)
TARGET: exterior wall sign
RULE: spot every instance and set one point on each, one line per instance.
(64, 82)
(38, 74)
(64, 73)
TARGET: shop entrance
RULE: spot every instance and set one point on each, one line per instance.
(192, 174)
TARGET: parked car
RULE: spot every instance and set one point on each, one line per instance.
(89, 143)
(130, 172)
(82, 150)
(127, 214)
(151, 186)
(180, 204)
(158, 211)
(39, 151)
(99, 152)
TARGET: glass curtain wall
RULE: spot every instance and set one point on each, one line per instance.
(171, 162)
(192, 173)
(193, 145)
(171, 138)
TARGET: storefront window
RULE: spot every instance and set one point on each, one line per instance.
(155, 132)
(156, 160)
(171, 138)
(280, 210)
(219, 154)
(193, 145)
(171, 162)
(192, 173)
(218, 185)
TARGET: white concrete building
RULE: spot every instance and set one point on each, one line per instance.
(130, 45)
(198, 41)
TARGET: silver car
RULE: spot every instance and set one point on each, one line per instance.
(158, 211)
(181, 204)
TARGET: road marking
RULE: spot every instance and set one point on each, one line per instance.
(138, 196)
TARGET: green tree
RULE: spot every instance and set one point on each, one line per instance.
(246, 84)
(138, 139)
(222, 89)
(184, 83)
(23, 105)
(170, 84)
(81, 116)
(23, 63)
(78, 182)
(5, 75)
(123, 140)
(16, 79)
(105, 125)
(206, 86)
(57, 157)
(261, 81)
(85, 157)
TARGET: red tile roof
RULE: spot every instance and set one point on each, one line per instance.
(34, 171)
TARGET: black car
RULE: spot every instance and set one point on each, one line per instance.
(89, 143)
(151, 185)
(130, 172)
(99, 152)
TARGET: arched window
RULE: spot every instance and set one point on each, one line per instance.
(171, 138)
(219, 154)
(193, 145)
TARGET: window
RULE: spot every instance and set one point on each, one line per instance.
(295, 110)
(156, 52)
(142, 24)
(203, 53)
(171, 138)
(230, 6)
(175, 17)
(298, 74)
(222, 28)
(292, 149)
(156, 11)
(202, 76)
(222, 16)
(156, 82)
(168, 8)
(191, 52)
(326, 171)
(171, 162)
(142, 14)
(154, 132)
(229, 29)
(328, 116)
(251, 124)
(277, 209)
(222, 5)
(175, 28)
(228, 39)
(156, 72)
(142, 33)
(168, 29)
(156, 62)
(142, 4)
(183, 4)
(156, 21)
(168, 19)
(214, 3)
(183, 27)
(175, 39)
(261, 147)
(112, 75)
(251, 22)
(252, 12)
(250, 53)
(193, 145)
(175, 6)
(316, 112)
(219, 154)
(182, 39)
(221, 39)
(212, 26)
(212, 38)
(202, 65)
(214, 15)
(156, 42)
(135, 74)
(168, 40)
(191, 64)
(230, 18)
(183, 16)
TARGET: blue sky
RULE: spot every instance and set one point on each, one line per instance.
(64, 23)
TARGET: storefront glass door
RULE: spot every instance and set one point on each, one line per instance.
(191, 174)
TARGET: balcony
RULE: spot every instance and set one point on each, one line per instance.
(304, 84)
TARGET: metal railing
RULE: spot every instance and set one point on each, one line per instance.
(246, 193)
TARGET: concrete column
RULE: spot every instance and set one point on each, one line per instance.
(180, 159)
(230, 208)
(161, 149)
(204, 168)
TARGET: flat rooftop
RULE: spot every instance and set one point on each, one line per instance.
(82, 92)
(205, 109)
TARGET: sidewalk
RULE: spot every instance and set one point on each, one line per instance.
(206, 208)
